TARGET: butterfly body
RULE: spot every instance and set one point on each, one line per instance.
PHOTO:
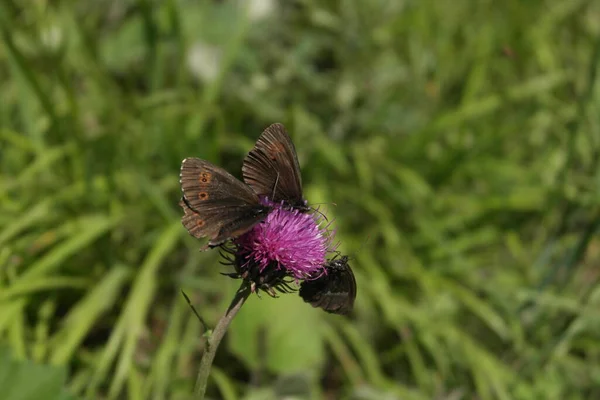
(335, 291)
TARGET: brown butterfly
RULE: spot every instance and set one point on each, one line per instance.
(216, 204)
(271, 168)
(335, 291)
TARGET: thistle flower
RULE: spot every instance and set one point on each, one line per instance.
(287, 246)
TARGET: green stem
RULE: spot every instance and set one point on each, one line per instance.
(215, 338)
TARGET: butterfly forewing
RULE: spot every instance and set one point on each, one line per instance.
(216, 204)
(272, 169)
(333, 292)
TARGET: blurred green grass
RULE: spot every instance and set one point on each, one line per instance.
(459, 141)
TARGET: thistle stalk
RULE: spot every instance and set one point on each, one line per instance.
(215, 339)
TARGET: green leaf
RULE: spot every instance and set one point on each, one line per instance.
(288, 329)
(25, 380)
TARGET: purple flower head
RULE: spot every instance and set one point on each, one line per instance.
(294, 241)
(287, 244)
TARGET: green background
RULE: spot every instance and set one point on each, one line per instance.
(456, 145)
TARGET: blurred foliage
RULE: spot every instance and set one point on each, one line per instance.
(24, 380)
(460, 142)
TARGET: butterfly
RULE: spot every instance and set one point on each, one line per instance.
(216, 204)
(272, 170)
(334, 291)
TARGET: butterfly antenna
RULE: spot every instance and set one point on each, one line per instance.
(322, 215)
(360, 248)
(350, 257)
(319, 204)
(318, 211)
(365, 242)
(204, 325)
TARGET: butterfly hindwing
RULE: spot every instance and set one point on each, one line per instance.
(216, 204)
(335, 291)
(271, 168)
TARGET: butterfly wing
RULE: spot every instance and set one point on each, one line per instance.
(333, 292)
(216, 204)
(271, 168)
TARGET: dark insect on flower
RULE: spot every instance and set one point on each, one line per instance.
(334, 291)
(275, 241)
(271, 168)
(287, 246)
(216, 204)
